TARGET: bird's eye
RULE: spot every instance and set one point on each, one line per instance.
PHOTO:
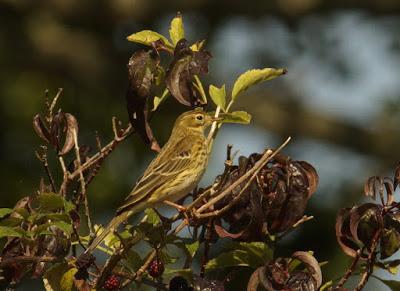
(199, 117)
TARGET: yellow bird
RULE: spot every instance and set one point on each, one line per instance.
(174, 173)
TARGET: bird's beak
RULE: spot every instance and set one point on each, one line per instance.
(213, 118)
(210, 118)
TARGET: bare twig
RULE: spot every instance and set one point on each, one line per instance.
(83, 184)
(105, 151)
(25, 259)
(43, 158)
(350, 270)
(370, 262)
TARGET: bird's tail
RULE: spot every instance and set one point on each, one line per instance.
(112, 225)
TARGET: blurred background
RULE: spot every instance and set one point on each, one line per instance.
(340, 100)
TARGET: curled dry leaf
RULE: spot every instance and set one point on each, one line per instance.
(185, 65)
(40, 128)
(311, 264)
(278, 275)
(343, 234)
(71, 127)
(273, 202)
(141, 69)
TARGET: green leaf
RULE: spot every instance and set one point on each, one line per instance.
(152, 217)
(176, 31)
(6, 231)
(159, 75)
(197, 46)
(49, 201)
(53, 275)
(68, 206)
(133, 260)
(218, 95)
(11, 221)
(5, 211)
(253, 77)
(236, 117)
(192, 248)
(158, 100)
(147, 37)
(65, 227)
(253, 254)
(67, 280)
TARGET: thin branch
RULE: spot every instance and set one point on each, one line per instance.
(105, 151)
(83, 184)
(25, 259)
(350, 270)
(370, 261)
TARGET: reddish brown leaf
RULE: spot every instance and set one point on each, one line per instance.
(71, 127)
(311, 264)
(347, 245)
(141, 69)
(41, 129)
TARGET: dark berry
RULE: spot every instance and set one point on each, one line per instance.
(178, 283)
(112, 283)
(156, 268)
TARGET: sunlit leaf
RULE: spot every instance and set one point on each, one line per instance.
(147, 37)
(218, 95)
(67, 280)
(176, 31)
(236, 117)
(192, 248)
(159, 100)
(53, 275)
(152, 217)
(197, 46)
(253, 77)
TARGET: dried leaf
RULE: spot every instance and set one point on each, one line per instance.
(253, 77)
(311, 264)
(72, 126)
(181, 71)
(40, 129)
(141, 68)
(347, 245)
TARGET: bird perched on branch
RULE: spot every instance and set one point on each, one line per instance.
(175, 171)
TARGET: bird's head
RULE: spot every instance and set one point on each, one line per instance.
(197, 120)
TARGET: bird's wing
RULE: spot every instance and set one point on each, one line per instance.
(170, 161)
